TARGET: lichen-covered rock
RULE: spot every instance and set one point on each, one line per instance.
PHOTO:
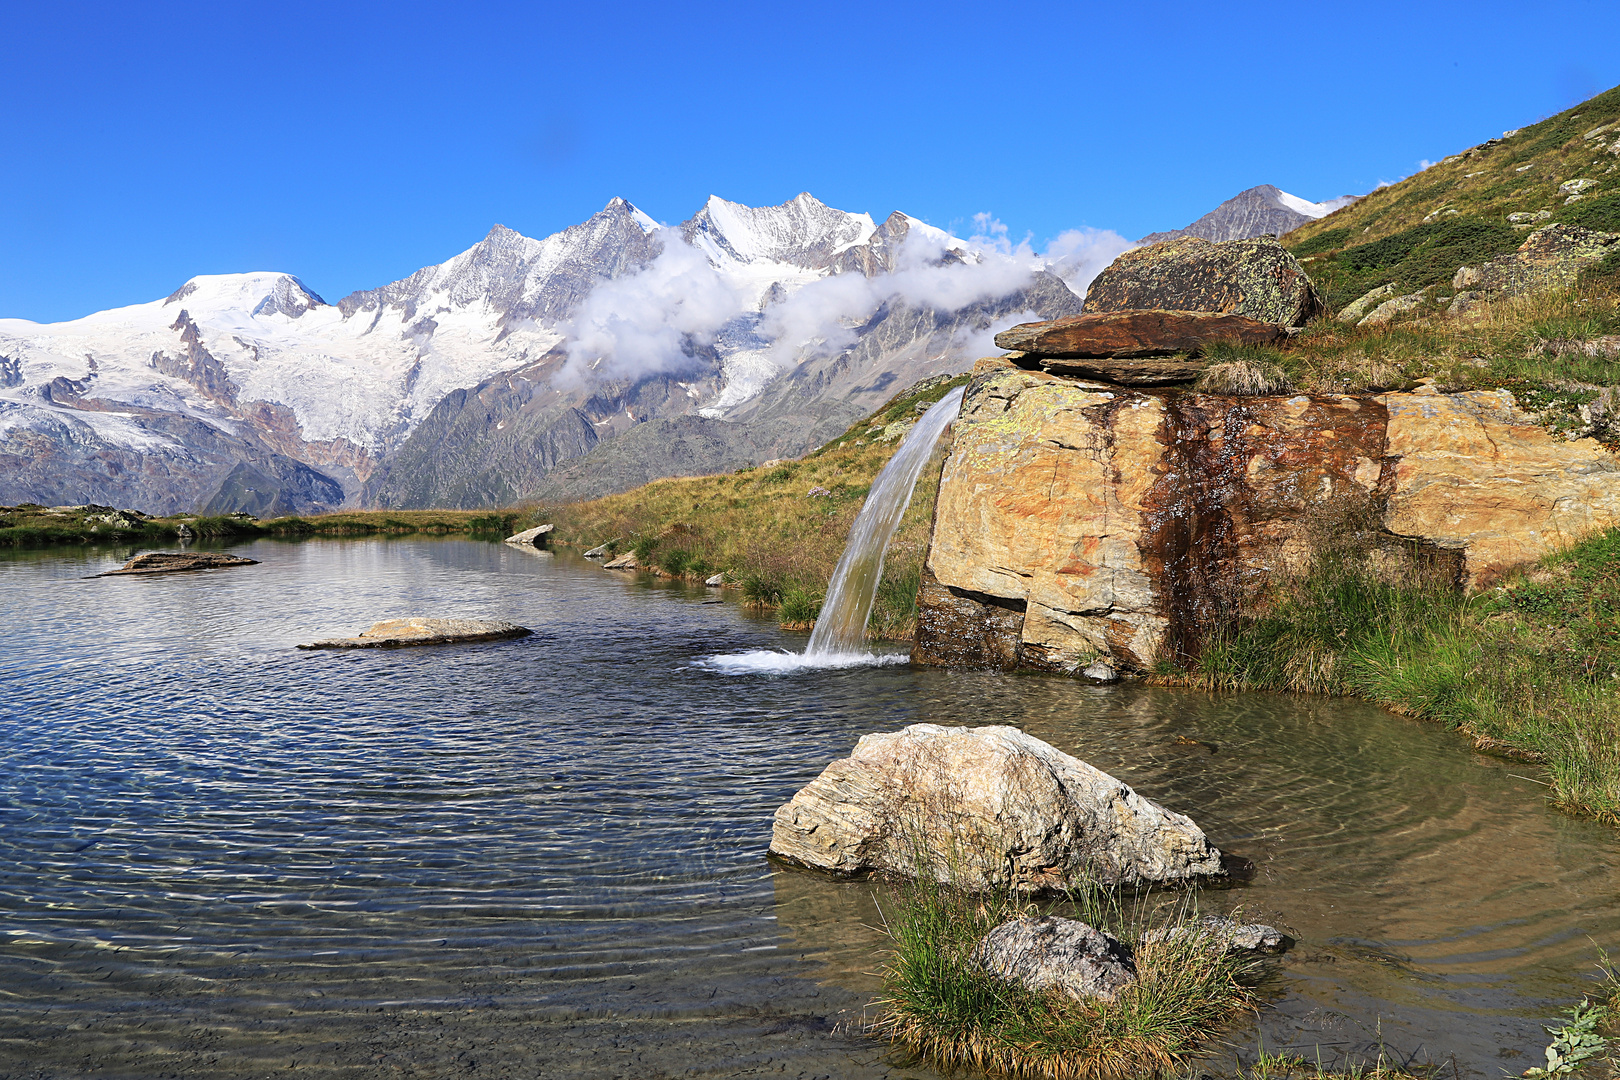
(398, 633)
(987, 807)
(1123, 335)
(1255, 277)
(1227, 936)
(1054, 953)
(1552, 257)
(1387, 310)
(1357, 309)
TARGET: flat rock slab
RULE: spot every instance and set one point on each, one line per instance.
(1123, 335)
(398, 633)
(174, 562)
(530, 536)
(627, 561)
(1254, 277)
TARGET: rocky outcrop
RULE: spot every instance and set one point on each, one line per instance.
(1079, 522)
(1256, 278)
(987, 807)
(1054, 953)
(1551, 257)
(398, 633)
(172, 562)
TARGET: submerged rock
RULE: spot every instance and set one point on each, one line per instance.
(530, 536)
(171, 562)
(987, 807)
(396, 633)
(1254, 277)
(1227, 936)
(1054, 953)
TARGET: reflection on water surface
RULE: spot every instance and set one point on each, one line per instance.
(544, 857)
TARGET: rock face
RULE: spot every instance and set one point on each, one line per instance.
(170, 562)
(397, 633)
(986, 807)
(1134, 348)
(1551, 257)
(1079, 522)
(1256, 278)
(535, 535)
(1054, 953)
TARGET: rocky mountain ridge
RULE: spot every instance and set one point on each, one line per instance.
(750, 332)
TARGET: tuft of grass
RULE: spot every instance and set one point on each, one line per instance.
(1243, 378)
(761, 591)
(799, 609)
(943, 1006)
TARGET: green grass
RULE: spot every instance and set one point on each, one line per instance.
(1530, 669)
(944, 1007)
(38, 526)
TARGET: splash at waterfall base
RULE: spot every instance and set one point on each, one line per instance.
(1080, 522)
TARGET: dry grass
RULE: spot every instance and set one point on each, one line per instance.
(764, 529)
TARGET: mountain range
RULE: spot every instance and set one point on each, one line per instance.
(609, 354)
(1255, 212)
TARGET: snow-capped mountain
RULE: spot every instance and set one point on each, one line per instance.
(1255, 212)
(760, 329)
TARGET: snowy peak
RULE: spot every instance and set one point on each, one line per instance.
(803, 232)
(252, 294)
(1255, 212)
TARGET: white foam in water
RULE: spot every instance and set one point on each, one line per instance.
(782, 662)
(840, 631)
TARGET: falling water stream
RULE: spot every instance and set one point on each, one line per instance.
(839, 637)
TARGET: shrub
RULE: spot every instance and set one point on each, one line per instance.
(799, 609)
(761, 591)
(644, 550)
(675, 561)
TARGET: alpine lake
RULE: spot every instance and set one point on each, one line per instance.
(224, 857)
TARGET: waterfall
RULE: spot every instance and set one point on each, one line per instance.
(839, 637)
(841, 627)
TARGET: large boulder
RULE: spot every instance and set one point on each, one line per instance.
(987, 807)
(1254, 277)
(1054, 953)
(1551, 257)
(1133, 348)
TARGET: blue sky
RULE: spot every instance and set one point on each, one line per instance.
(351, 144)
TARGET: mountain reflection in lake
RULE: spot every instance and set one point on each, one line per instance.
(545, 857)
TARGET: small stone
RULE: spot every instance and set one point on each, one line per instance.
(819, 493)
(716, 581)
(530, 536)
(172, 562)
(1228, 936)
(601, 551)
(1054, 953)
(1101, 672)
(395, 633)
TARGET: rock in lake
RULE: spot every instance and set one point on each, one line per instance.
(1054, 953)
(601, 550)
(627, 561)
(171, 562)
(530, 536)
(1227, 936)
(397, 633)
(1254, 277)
(715, 581)
(987, 807)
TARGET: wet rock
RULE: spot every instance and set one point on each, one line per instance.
(172, 562)
(1227, 936)
(716, 581)
(531, 536)
(1121, 335)
(602, 551)
(1255, 277)
(987, 807)
(627, 561)
(1356, 310)
(397, 633)
(1054, 953)
(1100, 672)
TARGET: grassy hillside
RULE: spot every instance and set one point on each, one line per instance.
(1418, 232)
(765, 529)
